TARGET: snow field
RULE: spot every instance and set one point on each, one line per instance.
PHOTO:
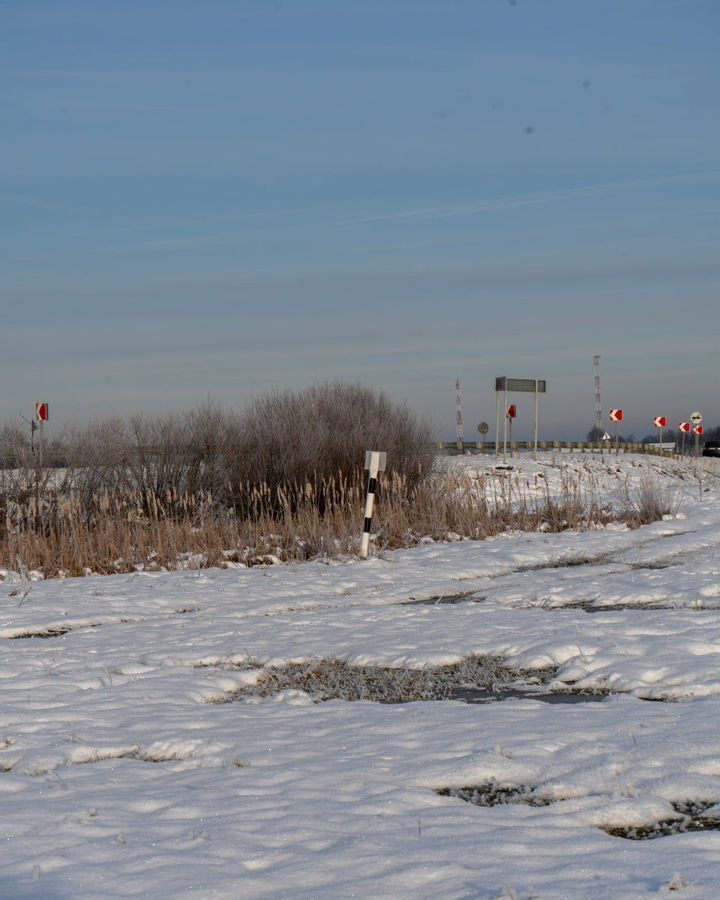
(124, 774)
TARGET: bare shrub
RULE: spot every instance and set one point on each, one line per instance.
(319, 435)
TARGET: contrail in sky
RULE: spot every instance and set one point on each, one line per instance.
(422, 214)
(461, 209)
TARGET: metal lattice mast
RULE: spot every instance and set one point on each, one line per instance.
(459, 418)
(598, 405)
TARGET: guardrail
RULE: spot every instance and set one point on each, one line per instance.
(555, 446)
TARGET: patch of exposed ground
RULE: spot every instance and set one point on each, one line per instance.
(691, 816)
(333, 679)
(494, 794)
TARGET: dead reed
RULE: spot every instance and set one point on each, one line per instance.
(60, 530)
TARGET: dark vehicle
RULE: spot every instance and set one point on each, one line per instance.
(711, 448)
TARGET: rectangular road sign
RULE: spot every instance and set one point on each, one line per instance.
(526, 385)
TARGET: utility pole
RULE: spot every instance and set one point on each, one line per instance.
(459, 417)
(598, 405)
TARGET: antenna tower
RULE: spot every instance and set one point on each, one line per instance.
(598, 405)
(459, 419)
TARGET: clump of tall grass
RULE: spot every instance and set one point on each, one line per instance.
(125, 528)
(647, 502)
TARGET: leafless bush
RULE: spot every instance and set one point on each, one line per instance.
(320, 434)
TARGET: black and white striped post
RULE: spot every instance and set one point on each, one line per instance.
(375, 462)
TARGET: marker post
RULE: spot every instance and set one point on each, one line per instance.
(375, 462)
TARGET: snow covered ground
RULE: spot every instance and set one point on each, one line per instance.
(133, 762)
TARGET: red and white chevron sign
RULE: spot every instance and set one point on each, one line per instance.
(660, 421)
(684, 426)
(616, 415)
(698, 429)
(41, 412)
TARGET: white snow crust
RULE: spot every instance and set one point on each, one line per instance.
(122, 775)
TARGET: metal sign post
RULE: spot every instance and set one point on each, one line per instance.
(696, 418)
(524, 385)
(683, 428)
(483, 428)
(605, 438)
(616, 416)
(660, 422)
(505, 428)
(42, 415)
(697, 431)
(510, 413)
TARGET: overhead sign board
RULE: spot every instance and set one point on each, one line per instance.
(524, 385)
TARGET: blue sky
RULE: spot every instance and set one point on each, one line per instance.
(211, 199)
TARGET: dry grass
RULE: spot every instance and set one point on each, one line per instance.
(648, 502)
(68, 532)
(334, 679)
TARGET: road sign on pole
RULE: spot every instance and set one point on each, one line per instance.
(696, 418)
(510, 413)
(683, 428)
(616, 416)
(42, 415)
(697, 431)
(660, 422)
